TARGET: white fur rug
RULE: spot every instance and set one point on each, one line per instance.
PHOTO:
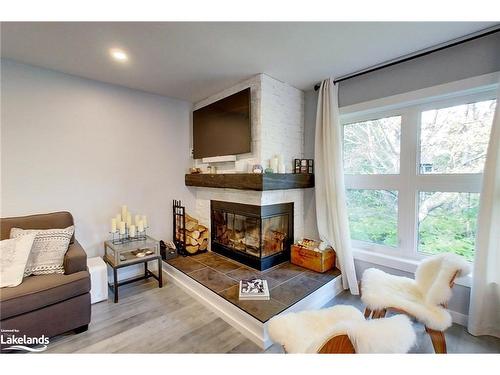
(422, 297)
(307, 331)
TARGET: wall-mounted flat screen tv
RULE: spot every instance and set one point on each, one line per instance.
(223, 127)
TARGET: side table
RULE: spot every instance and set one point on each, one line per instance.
(119, 255)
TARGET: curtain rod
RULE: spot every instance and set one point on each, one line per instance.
(416, 55)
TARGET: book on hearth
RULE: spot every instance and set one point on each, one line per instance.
(254, 289)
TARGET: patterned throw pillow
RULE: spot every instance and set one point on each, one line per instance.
(47, 252)
(14, 255)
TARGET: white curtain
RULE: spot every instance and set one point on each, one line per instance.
(331, 210)
(484, 311)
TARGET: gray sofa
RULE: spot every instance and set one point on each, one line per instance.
(50, 304)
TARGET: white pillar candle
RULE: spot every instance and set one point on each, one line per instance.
(124, 213)
(131, 231)
(273, 164)
(280, 158)
(140, 226)
(129, 219)
(145, 221)
(118, 219)
(122, 227)
(113, 225)
(137, 219)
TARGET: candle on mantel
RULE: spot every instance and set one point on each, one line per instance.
(124, 213)
(129, 219)
(131, 231)
(140, 226)
(118, 219)
(273, 164)
(137, 219)
(122, 227)
(145, 221)
(113, 225)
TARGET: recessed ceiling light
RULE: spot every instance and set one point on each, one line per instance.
(119, 55)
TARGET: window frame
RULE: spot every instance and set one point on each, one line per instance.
(410, 182)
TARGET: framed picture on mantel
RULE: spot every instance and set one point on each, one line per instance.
(305, 166)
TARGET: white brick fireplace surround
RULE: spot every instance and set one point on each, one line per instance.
(277, 120)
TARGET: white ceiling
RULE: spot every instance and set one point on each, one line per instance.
(194, 60)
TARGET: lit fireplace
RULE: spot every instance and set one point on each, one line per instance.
(258, 236)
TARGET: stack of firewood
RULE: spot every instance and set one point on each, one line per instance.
(196, 235)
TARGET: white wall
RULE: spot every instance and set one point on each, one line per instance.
(87, 147)
(310, 103)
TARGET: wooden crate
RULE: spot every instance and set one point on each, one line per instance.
(319, 261)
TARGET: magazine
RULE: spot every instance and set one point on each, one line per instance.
(254, 289)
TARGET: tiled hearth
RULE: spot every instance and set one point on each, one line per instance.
(288, 283)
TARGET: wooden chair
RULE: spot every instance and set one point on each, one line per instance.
(433, 311)
(340, 329)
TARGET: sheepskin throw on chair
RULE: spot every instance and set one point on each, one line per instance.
(424, 298)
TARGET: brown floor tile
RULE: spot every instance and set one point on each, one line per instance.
(186, 264)
(220, 264)
(262, 310)
(201, 256)
(243, 273)
(284, 272)
(323, 277)
(295, 289)
(212, 279)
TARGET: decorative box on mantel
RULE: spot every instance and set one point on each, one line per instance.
(251, 181)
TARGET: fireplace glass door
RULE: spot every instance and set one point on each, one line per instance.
(275, 234)
(252, 234)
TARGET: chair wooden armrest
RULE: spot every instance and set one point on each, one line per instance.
(340, 344)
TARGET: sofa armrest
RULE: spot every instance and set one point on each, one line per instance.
(75, 259)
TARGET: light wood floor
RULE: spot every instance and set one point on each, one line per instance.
(152, 320)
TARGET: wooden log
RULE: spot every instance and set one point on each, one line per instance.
(201, 228)
(204, 245)
(191, 241)
(190, 218)
(191, 225)
(192, 249)
(195, 234)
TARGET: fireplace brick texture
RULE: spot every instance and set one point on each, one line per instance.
(277, 128)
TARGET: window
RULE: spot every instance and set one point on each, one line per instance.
(454, 139)
(413, 175)
(447, 223)
(372, 147)
(373, 216)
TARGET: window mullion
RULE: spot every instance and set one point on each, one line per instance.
(407, 212)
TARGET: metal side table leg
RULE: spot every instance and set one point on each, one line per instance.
(160, 273)
(115, 284)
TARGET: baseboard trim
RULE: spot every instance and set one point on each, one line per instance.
(459, 318)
